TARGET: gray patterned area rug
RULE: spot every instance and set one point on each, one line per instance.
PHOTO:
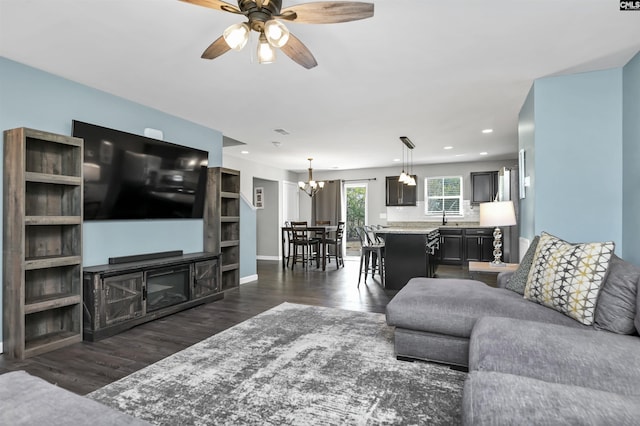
(292, 365)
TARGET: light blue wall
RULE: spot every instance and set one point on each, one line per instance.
(248, 266)
(36, 99)
(578, 156)
(526, 136)
(586, 136)
(631, 160)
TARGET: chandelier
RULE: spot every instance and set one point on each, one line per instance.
(311, 187)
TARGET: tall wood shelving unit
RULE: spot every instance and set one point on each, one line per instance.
(222, 222)
(42, 281)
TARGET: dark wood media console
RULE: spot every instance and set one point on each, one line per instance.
(123, 294)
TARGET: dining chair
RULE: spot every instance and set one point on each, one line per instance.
(371, 256)
(304, 248)
(336, 245)
(318, 234)
(289, 241)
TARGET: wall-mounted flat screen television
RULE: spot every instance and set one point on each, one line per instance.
(129, 177)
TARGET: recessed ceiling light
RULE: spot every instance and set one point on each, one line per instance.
(484, 153)
(244, 152)
(396, 160)
(485, 131)
(448, 147)
(459, 155)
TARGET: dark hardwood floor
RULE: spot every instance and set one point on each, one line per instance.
(87, 366)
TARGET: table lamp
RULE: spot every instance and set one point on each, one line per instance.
(497, 213)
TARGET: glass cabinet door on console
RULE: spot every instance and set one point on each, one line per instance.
(123, 297)
(205, 278)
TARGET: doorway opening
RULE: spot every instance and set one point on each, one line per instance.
(356, 215)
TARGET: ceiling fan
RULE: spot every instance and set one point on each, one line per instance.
(264, 17)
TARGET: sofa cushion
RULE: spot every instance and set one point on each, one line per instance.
(616, 307)
(452, 306)
(567, 277)
(557, 354)
(491, 398)
(28, 400)
(518, 280)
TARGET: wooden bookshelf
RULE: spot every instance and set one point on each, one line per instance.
(222, 222)
(42, 269)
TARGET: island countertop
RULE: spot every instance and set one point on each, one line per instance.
(397, 230)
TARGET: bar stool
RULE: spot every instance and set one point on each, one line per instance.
(370, 252)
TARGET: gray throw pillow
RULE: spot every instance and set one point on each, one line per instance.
(518, 280)
(616, 308)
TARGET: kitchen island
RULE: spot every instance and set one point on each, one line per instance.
(409, 253)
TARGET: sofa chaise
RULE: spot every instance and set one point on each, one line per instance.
(556, 343)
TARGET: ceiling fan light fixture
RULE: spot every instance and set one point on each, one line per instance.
(266, 52)
(237, 35)
(276, 33)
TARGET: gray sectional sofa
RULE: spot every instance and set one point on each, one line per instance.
(528, 363)
(28, 400)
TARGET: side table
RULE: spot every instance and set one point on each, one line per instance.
(488, 268)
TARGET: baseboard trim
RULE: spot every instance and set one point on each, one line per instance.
(248, 279)
(268, 258)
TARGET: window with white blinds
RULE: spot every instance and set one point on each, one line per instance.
(443, 194)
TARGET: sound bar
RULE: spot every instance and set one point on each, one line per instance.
(146, 256)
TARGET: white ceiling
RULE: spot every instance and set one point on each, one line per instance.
(436, 71)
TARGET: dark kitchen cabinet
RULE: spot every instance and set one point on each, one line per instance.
(399, 194)
(484, 186)
(451, 246)
(478, 244)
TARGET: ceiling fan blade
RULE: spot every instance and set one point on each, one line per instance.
(216, 49)
(216, 4)
(297, 51)
(327, 12)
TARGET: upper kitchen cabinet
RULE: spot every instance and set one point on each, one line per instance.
(484, 186)
(399, 194)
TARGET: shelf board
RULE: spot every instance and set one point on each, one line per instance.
(225, 194)
(53, 220)
(230, 219)
(51, 262)
(49, 178)
(230, 267)
(51, 302)
(50, 342)
(229, 243)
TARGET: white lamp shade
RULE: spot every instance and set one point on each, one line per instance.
(266, 53)
(236, 35)
(497, 213)
(277, 34)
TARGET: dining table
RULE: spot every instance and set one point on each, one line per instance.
(321, 230)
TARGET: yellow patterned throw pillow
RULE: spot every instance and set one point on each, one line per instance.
(567, 277)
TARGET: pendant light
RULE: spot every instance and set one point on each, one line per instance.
(406, 177)
(403, 176)
(411, 181)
